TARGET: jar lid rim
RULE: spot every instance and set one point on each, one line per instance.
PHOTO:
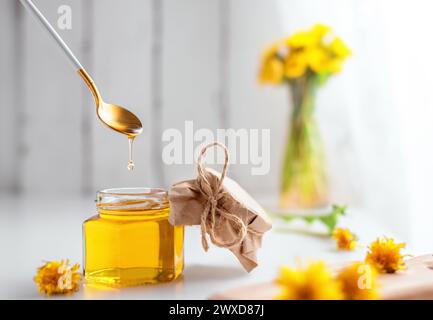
(131, 200)
(135, 191)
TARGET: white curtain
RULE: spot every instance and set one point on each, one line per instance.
(377, 116)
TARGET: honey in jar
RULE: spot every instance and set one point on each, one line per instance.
(130, 241)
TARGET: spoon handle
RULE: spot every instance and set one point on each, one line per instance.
(28, 4)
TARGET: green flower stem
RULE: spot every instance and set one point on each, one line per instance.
(329, 220)
(303, 181)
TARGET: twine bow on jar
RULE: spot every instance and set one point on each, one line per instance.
(213, 192)
(225, 212)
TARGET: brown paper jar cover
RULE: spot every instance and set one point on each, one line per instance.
(228, 215)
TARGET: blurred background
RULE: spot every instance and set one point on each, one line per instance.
(169, 61)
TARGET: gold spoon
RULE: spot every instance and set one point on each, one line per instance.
(113, 116)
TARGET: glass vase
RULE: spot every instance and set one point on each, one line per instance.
(303, 179)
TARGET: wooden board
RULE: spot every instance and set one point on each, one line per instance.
(414, 283)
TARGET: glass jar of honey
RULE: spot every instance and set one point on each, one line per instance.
(130, 241)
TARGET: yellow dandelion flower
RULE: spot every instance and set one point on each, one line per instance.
(307, 52)
(384, 254)
(301, 39)
(359, 282)
(272, 71)
(309, 38)
(273, 50)
(335, 66)
(320, 30)
(320, 61)
(345, 239)
(339, 48)
(315, 282)
(296, 65)
(57, 277)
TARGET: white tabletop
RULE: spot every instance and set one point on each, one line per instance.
(34, 229)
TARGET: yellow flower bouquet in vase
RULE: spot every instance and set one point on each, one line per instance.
(304, 62)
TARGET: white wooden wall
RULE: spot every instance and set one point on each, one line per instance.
(175, 60)
(11, 104)
(167, 60)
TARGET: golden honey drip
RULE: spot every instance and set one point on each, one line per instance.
(131, 164)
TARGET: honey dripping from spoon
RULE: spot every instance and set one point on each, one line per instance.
(113, 116)
(131, 164)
